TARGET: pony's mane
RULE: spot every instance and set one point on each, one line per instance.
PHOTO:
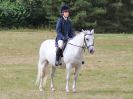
(78, 35)
(81, 34)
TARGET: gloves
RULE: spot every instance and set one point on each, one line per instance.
(66, 38)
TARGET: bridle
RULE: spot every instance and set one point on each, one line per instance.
(83, 46)
(86, 43)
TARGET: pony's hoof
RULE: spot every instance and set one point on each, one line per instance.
(52, 89)
(41, 90)
(67, 91)
(74, 90)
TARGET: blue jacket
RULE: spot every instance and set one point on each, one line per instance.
(64, 29)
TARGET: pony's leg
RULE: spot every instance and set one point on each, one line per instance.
(52, 80)
(68, 71)
(75, 77)
(42, 69)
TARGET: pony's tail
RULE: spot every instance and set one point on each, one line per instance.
(38, 74)
(40, 71)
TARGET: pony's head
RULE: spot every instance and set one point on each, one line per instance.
(89, 40)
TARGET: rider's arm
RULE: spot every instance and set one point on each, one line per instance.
(58, 28)
(71, 33)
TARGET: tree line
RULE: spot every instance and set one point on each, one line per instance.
(102, 15)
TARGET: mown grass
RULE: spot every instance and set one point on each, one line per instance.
(108, 74)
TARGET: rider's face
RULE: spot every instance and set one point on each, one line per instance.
(66, 13)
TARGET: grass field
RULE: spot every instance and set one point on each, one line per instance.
(108, 74)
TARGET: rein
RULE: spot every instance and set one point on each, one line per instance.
(83, 44)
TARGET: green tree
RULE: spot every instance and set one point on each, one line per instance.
(12, 14)
(102, 15)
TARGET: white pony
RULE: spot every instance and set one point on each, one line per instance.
(72, 57)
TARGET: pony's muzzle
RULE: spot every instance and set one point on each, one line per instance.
(91, 50)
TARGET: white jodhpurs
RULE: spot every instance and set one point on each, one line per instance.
(60, 44)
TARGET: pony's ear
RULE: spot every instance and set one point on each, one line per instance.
(92, 31)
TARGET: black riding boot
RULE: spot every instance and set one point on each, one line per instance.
(58, 57)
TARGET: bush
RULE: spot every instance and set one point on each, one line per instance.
(12, 14)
